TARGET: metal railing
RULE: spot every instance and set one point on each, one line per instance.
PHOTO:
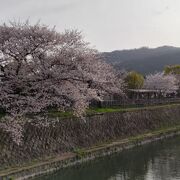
(135, 102)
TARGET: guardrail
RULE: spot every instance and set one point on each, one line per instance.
(137, 102)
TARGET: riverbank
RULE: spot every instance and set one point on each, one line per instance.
(68, 142)
(53, 164)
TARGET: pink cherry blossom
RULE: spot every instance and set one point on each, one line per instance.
(160, 81)
(41, 68)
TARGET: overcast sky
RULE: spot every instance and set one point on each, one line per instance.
(106, 24)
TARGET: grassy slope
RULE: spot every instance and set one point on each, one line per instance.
(93, 111)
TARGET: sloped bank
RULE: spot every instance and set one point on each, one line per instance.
(60, 143)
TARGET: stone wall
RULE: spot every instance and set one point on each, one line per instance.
(64, 135)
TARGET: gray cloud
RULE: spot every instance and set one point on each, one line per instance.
(107, 24)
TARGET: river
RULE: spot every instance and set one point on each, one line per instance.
(156, 161)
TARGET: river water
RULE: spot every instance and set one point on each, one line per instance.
(155, 161)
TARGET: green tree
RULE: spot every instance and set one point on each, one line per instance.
(174, 69)
(134, 80)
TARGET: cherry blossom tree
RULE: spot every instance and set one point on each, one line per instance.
(41, 68)
(13, 127)
(160, 81)
(175, 70)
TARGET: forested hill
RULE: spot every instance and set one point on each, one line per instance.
(144, 60)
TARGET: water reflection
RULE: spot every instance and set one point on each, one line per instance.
(156, 161)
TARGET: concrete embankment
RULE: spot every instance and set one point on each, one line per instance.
(66, 142)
